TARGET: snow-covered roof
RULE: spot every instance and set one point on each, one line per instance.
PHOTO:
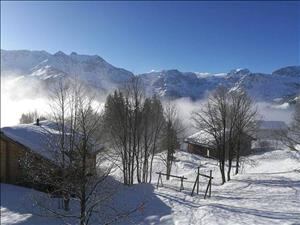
(42, 139)
(271, 125)
(201, 138)
(205, 139)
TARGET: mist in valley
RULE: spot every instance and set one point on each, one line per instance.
(19, 95)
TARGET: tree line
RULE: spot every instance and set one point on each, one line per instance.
(137, 128)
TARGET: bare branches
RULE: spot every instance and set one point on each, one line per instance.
(73, 141)
(228, 116)
(135, 126)
(170, 137)
(291, 137)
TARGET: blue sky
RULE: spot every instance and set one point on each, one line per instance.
(144, 36)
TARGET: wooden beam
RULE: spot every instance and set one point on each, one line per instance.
(172, 175)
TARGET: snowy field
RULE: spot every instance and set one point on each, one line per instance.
(266, 192)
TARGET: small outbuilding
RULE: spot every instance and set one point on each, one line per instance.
(202, 143)
(268, 134)
(270, 129)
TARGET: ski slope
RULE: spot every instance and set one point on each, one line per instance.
(266, 192)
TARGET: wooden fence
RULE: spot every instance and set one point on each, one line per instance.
(197, 181)
(160, 179)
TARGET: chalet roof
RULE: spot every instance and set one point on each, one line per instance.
(201, 138)
(271, 125)
(205, 139)
(42, 139)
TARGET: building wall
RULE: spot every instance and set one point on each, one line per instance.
(271, 134)
(3, 160)
(11, 153)
(201, 150)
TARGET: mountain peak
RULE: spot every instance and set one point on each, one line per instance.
(240, 71)
(288, 71)
(60, 53)
(170, 71)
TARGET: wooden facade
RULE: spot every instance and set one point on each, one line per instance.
(205, 150)
(201, 150)
(13, 152)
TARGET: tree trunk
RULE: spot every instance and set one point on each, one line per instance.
(83, 190)
(169, 163)
(238, 157)
(82, 212)
(229, 169)
(222, 169)
(151, 163)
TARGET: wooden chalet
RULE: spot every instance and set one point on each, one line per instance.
(202, 143)
(34, 139)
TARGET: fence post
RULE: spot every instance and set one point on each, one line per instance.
(210, 180)
(198, 179)
(181, 186)
(159, 176)
(194, 185)
(196, 182)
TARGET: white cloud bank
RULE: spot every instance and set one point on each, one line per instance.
(19, 97)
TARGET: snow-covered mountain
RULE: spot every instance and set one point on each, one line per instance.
(40, 65)
(281, 86)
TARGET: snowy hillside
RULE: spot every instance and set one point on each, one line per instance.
(266, 192)
(281, 86)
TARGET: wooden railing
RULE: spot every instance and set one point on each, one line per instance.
(170, 175)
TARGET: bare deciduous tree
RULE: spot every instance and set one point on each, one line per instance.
(30, 117)
(152, 124)
(291, 137)
(74, 171)
(133, 124)
(226, 117)
(157, 122)
(122, 117)
(171, 134)
(241, 125)
(213, 120)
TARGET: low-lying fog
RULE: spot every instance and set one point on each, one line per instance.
(266, 111)
(18, 97)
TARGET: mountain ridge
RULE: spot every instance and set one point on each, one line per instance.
(283, 83)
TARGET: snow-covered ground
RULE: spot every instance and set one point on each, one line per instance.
(266, 192)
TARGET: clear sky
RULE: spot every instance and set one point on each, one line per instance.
(144, 36)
